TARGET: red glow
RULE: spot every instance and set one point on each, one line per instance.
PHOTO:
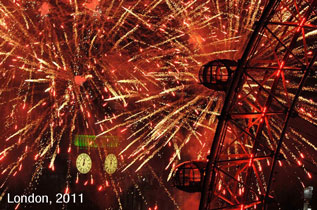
(45, 8)
(309, 175)
(260, 168)
(251, 159)
(280, 163)
(66, 190)
(301, 24)
(17, 206)
(91, 181)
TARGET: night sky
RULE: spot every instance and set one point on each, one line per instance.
(126, 73)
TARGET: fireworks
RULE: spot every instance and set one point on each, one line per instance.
(116, 68)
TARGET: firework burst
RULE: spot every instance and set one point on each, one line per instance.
(124, 68)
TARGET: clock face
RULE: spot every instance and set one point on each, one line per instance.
(111, 164)
(83, 163)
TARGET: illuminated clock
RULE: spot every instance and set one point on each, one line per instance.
(111, 164)
(83, 163)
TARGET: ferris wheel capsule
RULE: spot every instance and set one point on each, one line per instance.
(188, 176)
(217, 74)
